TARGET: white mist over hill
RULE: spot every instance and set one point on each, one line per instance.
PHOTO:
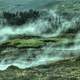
(45, 28)
(48, 25)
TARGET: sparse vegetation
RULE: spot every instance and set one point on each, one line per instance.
(20, 18)
(61, 70)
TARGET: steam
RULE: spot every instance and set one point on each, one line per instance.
(43, 56)
(45, 28)
(41, 27)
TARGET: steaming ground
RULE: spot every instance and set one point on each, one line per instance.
(41, 27)
(45, 28)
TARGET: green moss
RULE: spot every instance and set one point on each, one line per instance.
(34, 43)
(25, 43)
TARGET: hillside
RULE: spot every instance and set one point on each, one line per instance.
(61, 70)
(40, 40)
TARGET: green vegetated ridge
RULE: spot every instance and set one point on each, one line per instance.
(34, 42)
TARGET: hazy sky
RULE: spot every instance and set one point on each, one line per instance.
(22, 4)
